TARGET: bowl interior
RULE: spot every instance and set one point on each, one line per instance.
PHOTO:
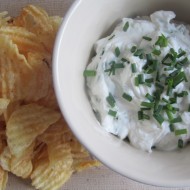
(86, 22)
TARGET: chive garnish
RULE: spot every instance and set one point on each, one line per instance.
(150, 80)
(117, 52)
(136, 81)
(126, 26)
(141, 78)
(138, 52)
(147, 104)
(182, 94)
(178, 79)
(127, 97)
(133, 68)
(182, 53)
(158, 118)
(119, 66)
(140, 115)
(169, 114)
(133, 49)
(162, 41)
(172, 128)
(180, 143)
(180, 132)
(112, 113)
(110, 99)
(149, 97)
(125, 60)
(89, 73)
(176, 120)
(156, 52)
(143, 109)
(184, 61)
(147, 38)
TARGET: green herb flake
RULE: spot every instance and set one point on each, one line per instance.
(180, 143)
(117, 52)
(110, 99)
(172, 128)
(149, 97)
(158, 118)
(141, 78)
(147, 104)
(127, 97)
(112, 113)
(162, 41)
(126, 26)
(156, 52)
(89, 73)
(133, 49)
(180, 132)
(176, 120)
(147, 38)
(133, 68)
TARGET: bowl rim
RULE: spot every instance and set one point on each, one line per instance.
(57, 43)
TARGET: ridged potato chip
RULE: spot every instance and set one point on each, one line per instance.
(26, 123)
(3, 179)
(48, 177)
(3, 105)
(22, 165)
(36, 20)
(26, 41)
(5, 159)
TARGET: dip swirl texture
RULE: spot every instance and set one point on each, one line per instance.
(123, 80)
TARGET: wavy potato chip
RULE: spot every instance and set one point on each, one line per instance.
(26, 123)
(5, 159)
(26, 41)
(22, 165)
(3, 179)
(48, 177)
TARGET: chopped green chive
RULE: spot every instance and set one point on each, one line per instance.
(143, 109)
(176, 120)
(138, 52)
(110, 99)
(179, 78)
(111, 37)
(158, 109)
(147, 38)
(126, 26)
(127, 97)
(147, 104)
(180, 143)
(158, 118)
(149, 97)
(89, 73)
(182, 94)
(150, 80)
(181, 54)
(162, 41)
(133, 68)
(112, 113)
(141, 78)
(117, 52)
(125, 60)
(169, 114)
(172, 128)
(156, 52)
(180, 132)
(184, 61)
(133, 49)
(119, 66)
(140, 115)
(136, 81)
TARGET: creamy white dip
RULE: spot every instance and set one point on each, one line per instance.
(124, 121)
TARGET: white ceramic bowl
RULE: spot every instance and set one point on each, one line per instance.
(86, 22)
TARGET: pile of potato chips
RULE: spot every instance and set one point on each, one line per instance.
(35, 141)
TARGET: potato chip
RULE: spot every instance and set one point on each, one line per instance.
(5, 159)
(3, 179)
(4, 18)
(3, 105)
(26, 41)
(36, 20)
(26, 123)
(47, 177)
(21, 165)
